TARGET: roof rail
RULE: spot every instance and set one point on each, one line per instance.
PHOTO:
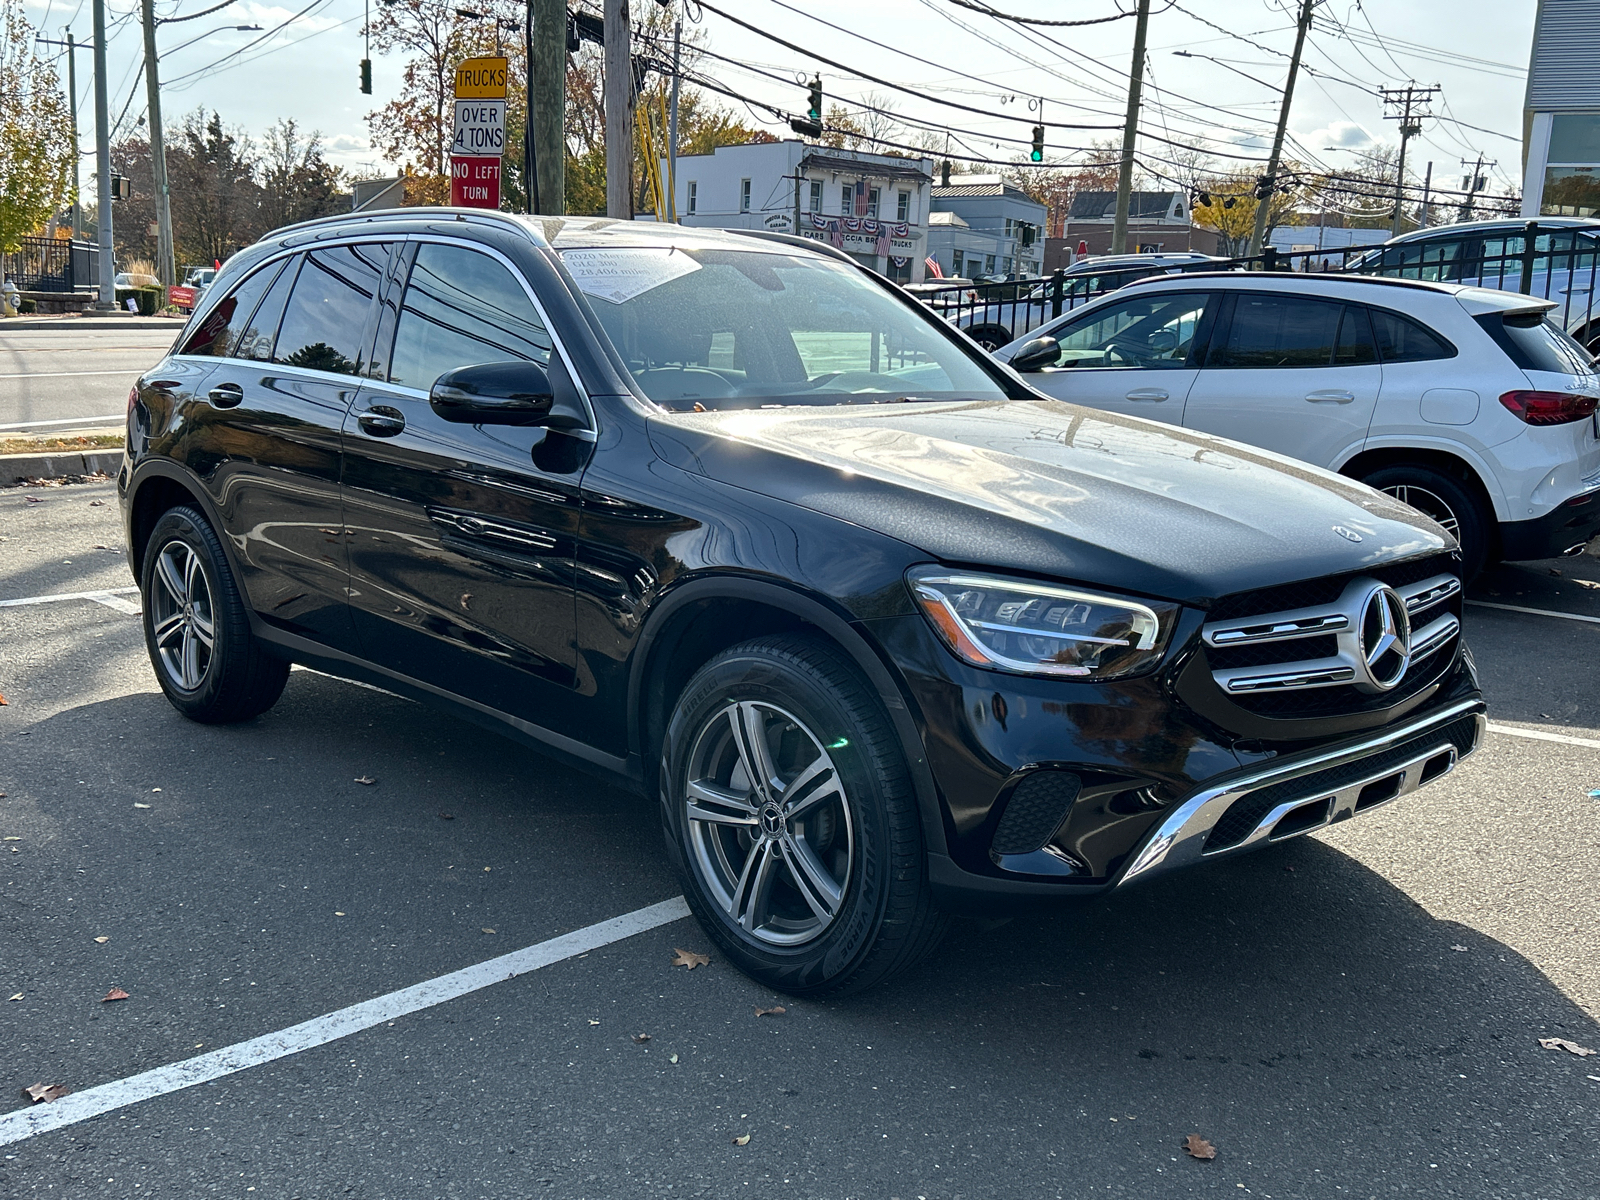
(1325, 276)
(441, 213)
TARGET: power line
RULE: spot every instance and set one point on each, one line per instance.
(994, 12)
(204, 12)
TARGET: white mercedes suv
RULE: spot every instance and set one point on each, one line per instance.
(1466, 403)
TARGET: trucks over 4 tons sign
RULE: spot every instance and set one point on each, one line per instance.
(479, 136)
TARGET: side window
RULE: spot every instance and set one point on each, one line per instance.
(462, 308)
(1145, 331)
(257, 344)
(1355, 346)
(325, 325)
(225, 329)
(1400, 339)
(1270, 330)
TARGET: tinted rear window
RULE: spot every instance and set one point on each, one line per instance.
(225, 332)
(324, 326)
(1277, 331)
(1537, 344)
(1402, 340)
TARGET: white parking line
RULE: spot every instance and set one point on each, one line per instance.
(1536, 612)
(1540, 735)
(110, 597)
(319, 1031)
(114, 418)
(67, 374)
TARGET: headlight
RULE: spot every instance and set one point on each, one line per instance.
(1042, 629)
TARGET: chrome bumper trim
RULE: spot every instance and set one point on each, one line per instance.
(1179, 840)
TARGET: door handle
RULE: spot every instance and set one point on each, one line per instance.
(1331, 396)
(1148, 394)
(381, 421)
(226, 395)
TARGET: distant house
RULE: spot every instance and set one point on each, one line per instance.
(1156, 221)
(982, 225)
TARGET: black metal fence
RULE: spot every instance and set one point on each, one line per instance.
(53, 265)
(1558, 263)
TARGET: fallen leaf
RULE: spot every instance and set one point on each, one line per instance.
(486, 929)
(1569, 1047)
(1461, 949)
(338, 914)
(743, 1140)
(446, 817)
(11, 839)
(18, 996)
(43, 1093)
(641, 1038)
(136, 804)
(466, 600)
(115, 993)
(366, 779)
(98, 546)
(97, 504)
(672, 1058)
(1586, 583)
(33, 499)
(1553, 571)
(688, 958)
(592, 1021)
(2, 701)
(1196, 1146)
(102, 940)
(776, 1011)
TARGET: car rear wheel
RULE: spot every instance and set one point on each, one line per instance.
(790, 812)
(990, 337)
(209, 664)
(1447, 501)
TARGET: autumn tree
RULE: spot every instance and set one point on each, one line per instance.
(36, 144)
(297, 181)
(1227, 203)
(215, 199)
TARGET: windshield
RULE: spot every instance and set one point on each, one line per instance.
(721, 329)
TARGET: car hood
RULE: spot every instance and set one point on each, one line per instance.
(1054, 489)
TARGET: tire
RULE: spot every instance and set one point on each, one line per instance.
(196, 627)
(829, 896)
(1448, 501)
(990, 337)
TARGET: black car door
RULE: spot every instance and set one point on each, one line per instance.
(461, 536)
(287, 370)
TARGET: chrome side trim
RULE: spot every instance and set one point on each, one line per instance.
(1321, 672)
(1429, 592)
(1178, 841)
(1277, 630)
(1433, 635)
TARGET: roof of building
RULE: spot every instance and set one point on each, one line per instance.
(980, 185)
(1096, 206)
(946, 218)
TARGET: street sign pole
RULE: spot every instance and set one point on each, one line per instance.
(102, 157)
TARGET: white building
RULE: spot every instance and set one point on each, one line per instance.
(874, 207)
(1561, 115)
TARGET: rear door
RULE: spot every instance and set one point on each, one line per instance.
(1289, 373)
(462, 536)
(1133, 355)
(271, 441)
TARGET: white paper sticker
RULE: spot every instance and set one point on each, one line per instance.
(620, 275)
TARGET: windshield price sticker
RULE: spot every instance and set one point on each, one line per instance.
(480, 128)
(619, 275)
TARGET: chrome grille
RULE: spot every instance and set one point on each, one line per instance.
(1363, 637)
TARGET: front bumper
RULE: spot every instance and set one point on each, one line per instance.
(1571, 524)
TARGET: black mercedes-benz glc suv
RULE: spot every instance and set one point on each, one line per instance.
(727, 517)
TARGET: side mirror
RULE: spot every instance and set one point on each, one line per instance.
(508, 393)
(1036, 354)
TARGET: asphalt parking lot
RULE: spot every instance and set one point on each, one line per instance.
(1357, 1013)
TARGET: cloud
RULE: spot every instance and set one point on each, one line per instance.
(270, 15)
(1345, 135)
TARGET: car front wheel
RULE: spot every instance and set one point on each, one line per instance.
(790, 812)
(209, 664)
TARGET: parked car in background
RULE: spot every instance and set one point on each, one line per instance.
(723, 517)
(1466, 403)
(1492, 254)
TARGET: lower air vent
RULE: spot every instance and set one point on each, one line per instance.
(1035, 811)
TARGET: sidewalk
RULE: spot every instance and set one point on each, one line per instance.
(116, 320)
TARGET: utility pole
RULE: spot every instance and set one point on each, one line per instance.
(547, 105)
(1472, 185)
(619, 112)
(72, 96)
(672, 135)
(102, 160)
(165, 267)
(1130, 130)
(1427, 194)
(1268, 183)
(1411, 105)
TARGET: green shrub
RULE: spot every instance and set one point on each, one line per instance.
(26, 306)
(150, 300)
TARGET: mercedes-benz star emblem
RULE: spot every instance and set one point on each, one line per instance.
(1349, 535)
(1385, 638)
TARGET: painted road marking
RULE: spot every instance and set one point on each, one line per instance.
(319, 1031)
(66, 374)
(1537, 612)
(1540, 735)
(114, 418)
(110, 597)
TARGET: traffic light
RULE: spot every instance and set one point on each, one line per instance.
(366, 77)
(121, 187)
(1037, 153)
(811, 126)
(814, 112)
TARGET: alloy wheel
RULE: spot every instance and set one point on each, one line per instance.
(770, 827)
(182, 619)
(1429, 503)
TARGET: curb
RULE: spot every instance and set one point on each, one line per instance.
(71, 320)
(19, 468)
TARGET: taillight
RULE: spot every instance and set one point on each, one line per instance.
(1549, 408)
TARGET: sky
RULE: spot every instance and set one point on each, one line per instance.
(303, 63)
